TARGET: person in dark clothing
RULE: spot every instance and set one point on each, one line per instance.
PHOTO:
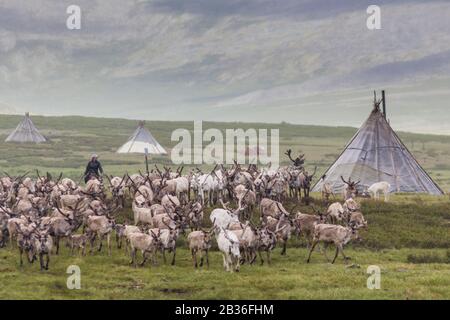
(93, 168)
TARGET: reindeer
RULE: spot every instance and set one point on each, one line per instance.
(281, 228)
(101, 226)
(223, 217)
(380, 187)
(78, 241)
(330, 233)
(200, 240)
(64, 225)
(350, 191)
(305, 180)
(26, 242)
(305, 224)
(146, 244)
(266, 240)
(228, 244)
(297, 162)
(117, 187)
(43, 244)
(327, 192)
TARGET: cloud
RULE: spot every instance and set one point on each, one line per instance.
(197, 53)
(7, 41)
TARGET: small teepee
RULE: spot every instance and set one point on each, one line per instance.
(26, 132)
(376, 153)
(140, 140)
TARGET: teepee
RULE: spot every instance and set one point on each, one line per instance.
(141, 140)
(26, 132)
(374, 154)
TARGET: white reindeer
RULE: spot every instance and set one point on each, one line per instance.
(380, 187)
(228, 244)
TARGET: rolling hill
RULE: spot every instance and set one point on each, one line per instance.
(74, 138)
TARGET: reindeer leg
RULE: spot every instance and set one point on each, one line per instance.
(343, 254)
(225, 262)
(126, 246)
(283, 252)
(336, 254)
(154, 260)
(163, 251)
(57, 244)
(260, 257)
(174, 254)
(100, 245)
(92, 240)
(144, 255)
(194, 258)
(311, 250)
(325, 246)
(243, 257)
(133, 256)
(21, 260)
(252, 256)
(118, 241)
(108, 240)
(48, 261)
(41, 261)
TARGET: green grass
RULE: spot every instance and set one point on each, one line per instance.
(104, 277)
(409, 241)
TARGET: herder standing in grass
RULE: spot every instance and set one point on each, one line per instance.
(93, 169)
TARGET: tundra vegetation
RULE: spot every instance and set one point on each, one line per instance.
(244, 213)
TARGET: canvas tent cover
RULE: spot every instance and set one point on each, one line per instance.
(140, 140)
(377, 154)
(26, 132)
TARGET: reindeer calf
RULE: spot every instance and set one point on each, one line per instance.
(199, 241)
(78, 241)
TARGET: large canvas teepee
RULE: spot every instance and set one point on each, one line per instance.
(375, 154)
(26, 132)
(140, 140)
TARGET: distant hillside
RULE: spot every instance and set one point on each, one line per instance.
(74, 138)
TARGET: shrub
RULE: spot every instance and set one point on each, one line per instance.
(428, 258)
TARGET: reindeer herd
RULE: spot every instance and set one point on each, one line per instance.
(247, 217)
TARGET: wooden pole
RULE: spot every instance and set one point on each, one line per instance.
(146, 161)
(383, 97)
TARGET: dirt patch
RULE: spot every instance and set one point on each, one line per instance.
(174, 290)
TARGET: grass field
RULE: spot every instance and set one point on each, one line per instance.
(408, 239)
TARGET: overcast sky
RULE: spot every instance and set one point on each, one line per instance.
(300, 61)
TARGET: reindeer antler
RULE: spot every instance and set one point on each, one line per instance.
(342, 178)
